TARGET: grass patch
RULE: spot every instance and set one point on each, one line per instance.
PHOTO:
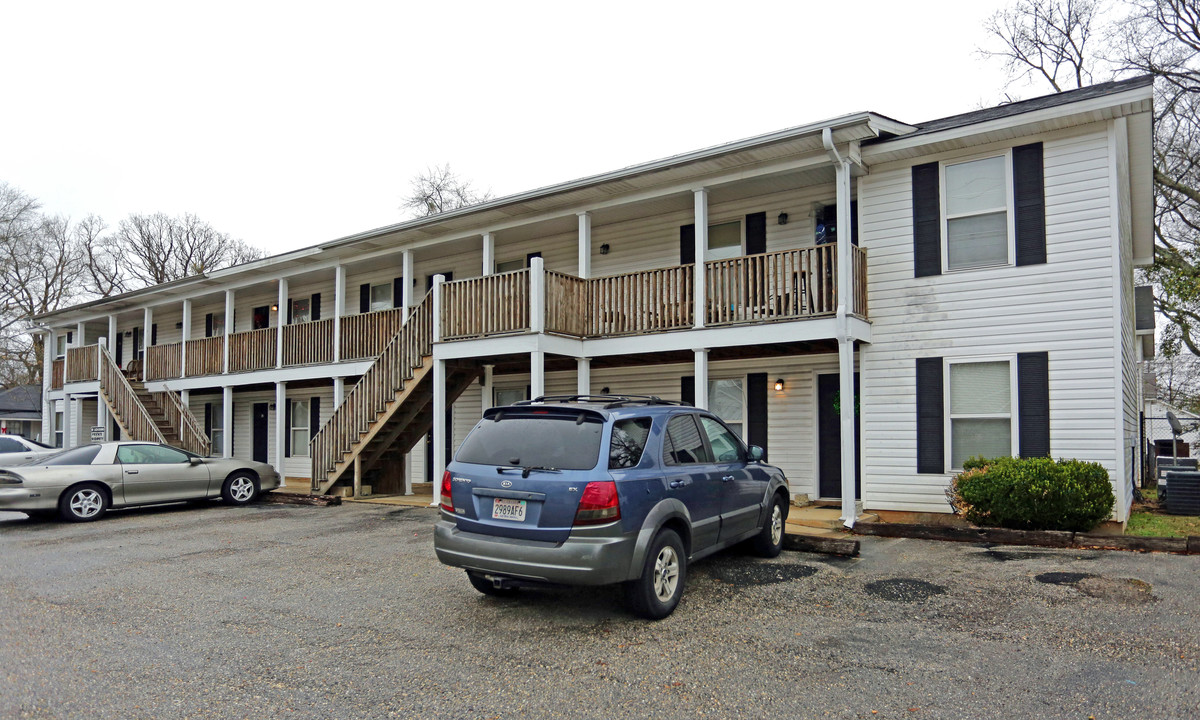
(1144, 524)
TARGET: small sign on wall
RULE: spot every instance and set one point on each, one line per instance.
(98, 434)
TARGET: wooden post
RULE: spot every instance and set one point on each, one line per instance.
(357, 475)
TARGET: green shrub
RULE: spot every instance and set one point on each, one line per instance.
(1032, 493)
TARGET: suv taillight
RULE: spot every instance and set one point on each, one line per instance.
(447, 500)
(599, 504)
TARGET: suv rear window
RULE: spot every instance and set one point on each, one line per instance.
(560, 441)
(628, 442)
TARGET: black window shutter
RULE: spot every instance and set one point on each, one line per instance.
(756, 234)
(1033, 404)
(153, 333)
(687, 244)
(364, 298)
(756, 409)
(529, 258)
(397, 291)
(208, 325)
(687, 389)
(1030, 195)
(931, 442)
(315, 307)
(314, 416)
(287, 429)
(289, 311)
(208, 421)
(927, 221)
(69, 337)
(854, 222)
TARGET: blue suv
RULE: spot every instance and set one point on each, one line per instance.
(595, 490)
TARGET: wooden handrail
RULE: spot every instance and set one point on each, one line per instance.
(123, 402)
(485, 305)
(205, 356)
(781, 285)
(566, 304)
(308, 343)
(376, 388)
(640, 302)
(191, 434)
(364, 335)
(81, 363)
(164, 361)
(57, 366)
(860, 281)
(252, 349)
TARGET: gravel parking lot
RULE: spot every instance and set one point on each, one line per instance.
(288, 611)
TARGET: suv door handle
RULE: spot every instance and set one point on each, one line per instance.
(727, 478)
(680, 483)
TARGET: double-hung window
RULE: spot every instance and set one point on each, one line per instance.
(981, 410)
(299, 428)
(727, 400)
(977, 201)
(381, 296)
(725, 240)
(216, 435)
(301, 310)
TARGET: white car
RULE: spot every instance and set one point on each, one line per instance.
(16, 450)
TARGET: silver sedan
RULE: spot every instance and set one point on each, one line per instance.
(16, 450)
(82, 483)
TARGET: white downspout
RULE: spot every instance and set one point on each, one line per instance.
(849, 450)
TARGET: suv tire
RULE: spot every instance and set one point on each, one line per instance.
(655, 594)
(769, 541)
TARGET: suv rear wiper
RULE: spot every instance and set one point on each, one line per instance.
(525, 470)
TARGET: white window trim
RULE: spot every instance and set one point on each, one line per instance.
(1012, 414)
(294, 427)
(1010, 211)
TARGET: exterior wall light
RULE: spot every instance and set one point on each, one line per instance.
(274, 308)
(782, 218)
(779, 385)
(604, 249)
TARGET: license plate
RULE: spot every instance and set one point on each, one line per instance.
(504, 509)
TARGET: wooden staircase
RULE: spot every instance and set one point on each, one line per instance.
(388, 411)
(159, 417)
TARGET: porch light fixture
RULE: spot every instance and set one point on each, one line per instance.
(782, 218)
(274, 308)
(604, 249)
(779, 385)
(604, 391)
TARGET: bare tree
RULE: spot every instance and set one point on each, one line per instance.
(1050, 39)
(439, 189)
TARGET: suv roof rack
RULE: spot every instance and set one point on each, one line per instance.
(608, 401)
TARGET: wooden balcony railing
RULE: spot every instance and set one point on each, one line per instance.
(164, 361)
(780, 285)
(81, 363)
(252, 350)
(366, 334)
(308, 343)
(487, 305)
(56, 374)
(205, 356)
(566, 304)
(191, 434)
(640, 302)
(859, 281)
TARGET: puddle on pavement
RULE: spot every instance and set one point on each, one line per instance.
(761, 573)
(904, 590)
(1062, 578)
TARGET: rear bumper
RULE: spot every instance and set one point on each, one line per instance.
(22, 498)
(580, 560)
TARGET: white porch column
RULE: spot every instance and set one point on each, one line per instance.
(439, 423)
(583, 376)
(537, 374)
(68, 430)
(701, 379)
(229, 327)
(339, 391)
(147, 328)
(437, 307)
(700, 309)
(227, 421)
(489, 253)
(280, 321)
(112, 335)
(102, 416)
(280, 425)
(185, 336)
(537, 295)
(47, 373)
(339, 309)
(185, 396)
(585, 245)
(406, 262)
(81, 332)
(845, 294)
(485, 390)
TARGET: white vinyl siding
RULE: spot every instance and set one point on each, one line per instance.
(1063, 307)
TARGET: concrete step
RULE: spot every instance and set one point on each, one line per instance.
(827, 518)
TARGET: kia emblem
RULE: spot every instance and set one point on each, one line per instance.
(506, 483)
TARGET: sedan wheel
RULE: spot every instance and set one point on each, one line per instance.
(82, 504)
(239, 489)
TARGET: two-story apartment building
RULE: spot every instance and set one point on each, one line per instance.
(968, 282)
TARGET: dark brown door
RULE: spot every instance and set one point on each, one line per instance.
(829, 437)
(260, 432)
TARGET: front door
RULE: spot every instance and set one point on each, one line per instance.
(259, 431)
(829, 436)
(120, 348)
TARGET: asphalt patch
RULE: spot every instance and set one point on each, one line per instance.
(750, 573)
(1126, 591)
(1062, 578)
(904, 590)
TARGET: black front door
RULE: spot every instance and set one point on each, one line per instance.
(829, 436)
(260, 432)
(120, 348)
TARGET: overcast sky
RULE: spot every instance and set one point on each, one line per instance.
(288, 124)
